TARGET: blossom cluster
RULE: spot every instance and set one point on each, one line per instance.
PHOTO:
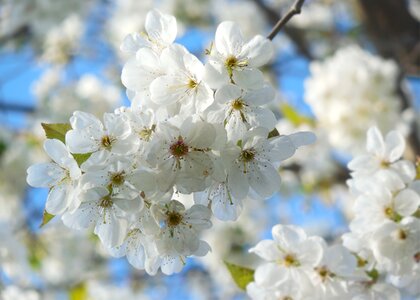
(192, 128)
(353, 84)
(380, 254)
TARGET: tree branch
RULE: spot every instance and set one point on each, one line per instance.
(294, 10)
(16, 108)
(295, 34)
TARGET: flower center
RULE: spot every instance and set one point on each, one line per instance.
(238, 104)
(192, 84)
(179, 148)
(391, 214)
(402, 235)
(290, 261)
(106, 202)
(247, 155)
(106, 141)
(173, 219)
(118, 178)
(324, 272)
(231, 62)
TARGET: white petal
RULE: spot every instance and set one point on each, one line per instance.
(407, 202)
(237, 182)
(81, 142)
(267, 250)
(395, 146)
(248, 78)
(44, 175)
(263, 179)
(161, 27)
(113, 231)
(215, 74)
(57, 201)
(375, 143)
(288, 236)
(227, 93)
(258, 51)
(228, 39)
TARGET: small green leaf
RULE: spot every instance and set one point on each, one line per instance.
(78, 292)
(241, 275)
(81, 157)
(56, 131)
(46, 218)
(418, 168)
(293, 116)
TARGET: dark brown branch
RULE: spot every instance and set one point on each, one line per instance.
(295, 34)
(294, 10)
(395, 34)
(16, 108)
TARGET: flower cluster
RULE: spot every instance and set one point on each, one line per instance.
(385, 232)
(353, 84)
(380, 253)
(191, 129)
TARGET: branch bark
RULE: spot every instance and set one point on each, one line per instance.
(295, 34)
(294, 10)
(395, 34)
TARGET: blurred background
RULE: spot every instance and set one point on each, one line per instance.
(340, 67)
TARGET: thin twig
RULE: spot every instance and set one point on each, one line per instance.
(294, 10)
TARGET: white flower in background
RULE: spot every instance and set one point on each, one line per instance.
(182, 85)
(224, 10)
(233, 59)
(353, 85)
(90, 135)
(290, 258)
(71, 254)
(161, 30)
(61, 42)
(127, 16)
(254, 166)
(57, 98)
(12, 292)
(60, 176)
(182, 154)
(40, 17)
(239, 109)
(105, 290)
(414, 9)
(383, 156)
(106, 213)
(13, 255)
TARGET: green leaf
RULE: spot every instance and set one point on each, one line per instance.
(418, 168)
(56, 131)
(293, 116)
(241, 275)
(78, 292)
(46, 218)
(81, 157)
